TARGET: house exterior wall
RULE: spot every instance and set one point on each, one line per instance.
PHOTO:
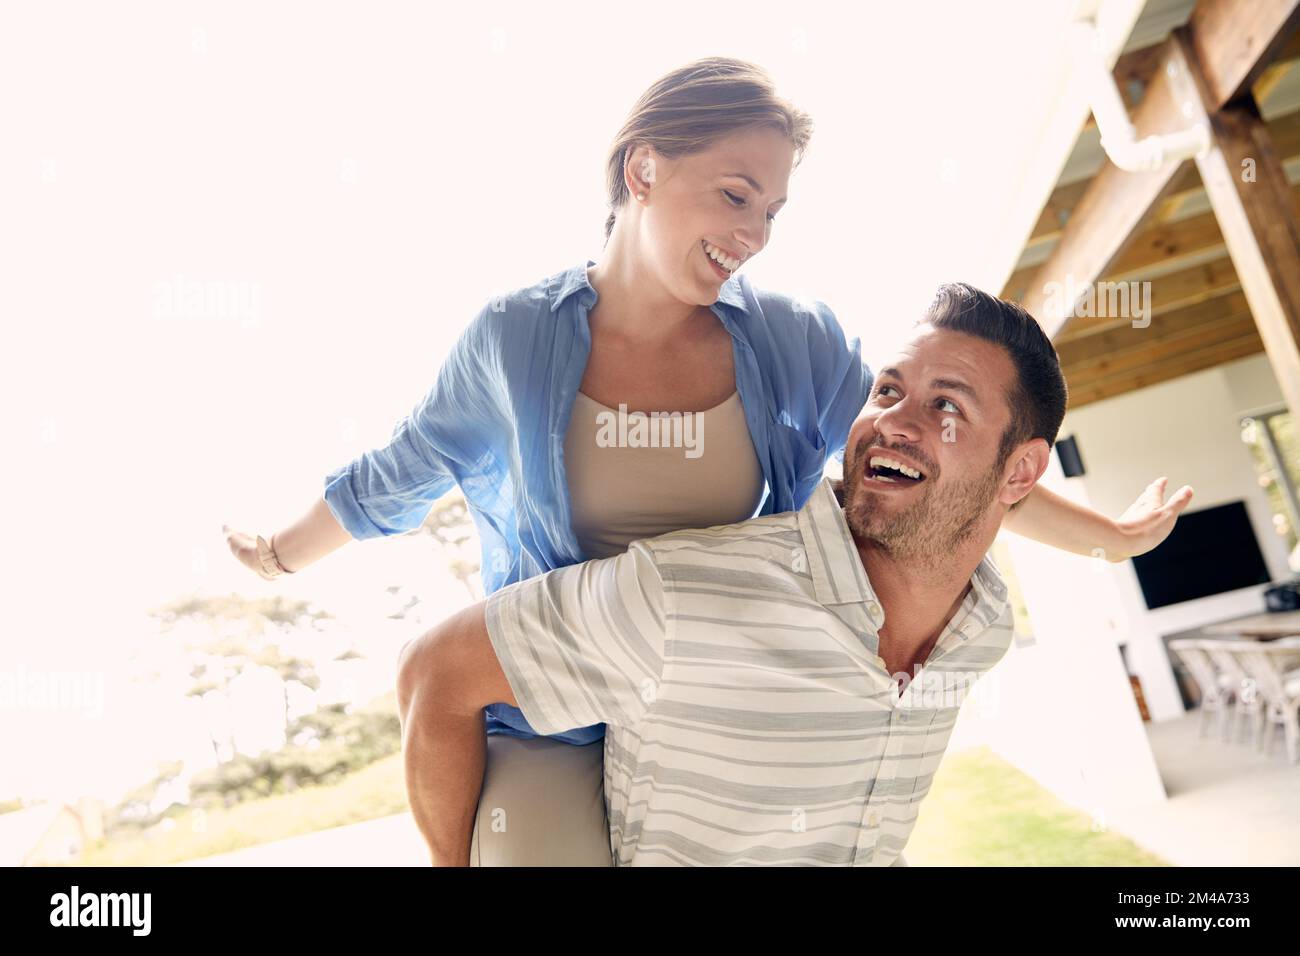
(1188, 429)
(1063, 709)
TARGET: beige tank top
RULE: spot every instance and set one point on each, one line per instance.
(634, 476)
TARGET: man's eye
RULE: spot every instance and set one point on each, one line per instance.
(948, 402)
(881, 391)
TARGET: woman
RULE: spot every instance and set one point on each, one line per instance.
(662, 324)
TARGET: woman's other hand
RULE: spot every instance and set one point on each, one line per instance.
(1148, 521)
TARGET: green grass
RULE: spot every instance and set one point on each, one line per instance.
(982, 811)
(377, 790)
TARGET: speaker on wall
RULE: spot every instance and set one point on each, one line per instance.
(1067, 449)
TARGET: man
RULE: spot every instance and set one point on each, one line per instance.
(781, 691)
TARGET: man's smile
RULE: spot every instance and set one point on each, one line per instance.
(888, 469)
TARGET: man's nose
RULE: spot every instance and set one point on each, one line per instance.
(899, 422)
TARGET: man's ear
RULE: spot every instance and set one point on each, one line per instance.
(1025, 465)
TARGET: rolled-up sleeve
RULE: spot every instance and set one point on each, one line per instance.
(390, 490)
(583, 644)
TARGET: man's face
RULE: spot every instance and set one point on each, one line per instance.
(938, 409)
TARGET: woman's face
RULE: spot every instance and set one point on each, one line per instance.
(709, 206)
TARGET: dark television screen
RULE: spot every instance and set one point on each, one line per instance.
(1208, 552)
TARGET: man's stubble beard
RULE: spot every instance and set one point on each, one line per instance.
(929, 529)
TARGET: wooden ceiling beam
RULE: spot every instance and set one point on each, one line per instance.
(1116, 203)
(1172, 367)
(1257, 209)
(1285, 131)
(1126, 339)
(1179, 290)
(1235, 41)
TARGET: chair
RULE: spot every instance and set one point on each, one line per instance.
(1272, 666)
(1216, 687)
(1248, 702)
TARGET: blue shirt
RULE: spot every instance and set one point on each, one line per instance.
(495, 421)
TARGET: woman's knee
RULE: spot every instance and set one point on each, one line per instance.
(416, 669)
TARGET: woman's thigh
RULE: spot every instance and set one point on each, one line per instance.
(543, 804)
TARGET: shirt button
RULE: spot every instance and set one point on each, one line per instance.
(874, 610)
(872, 820)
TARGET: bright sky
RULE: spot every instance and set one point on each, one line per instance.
(370, 174)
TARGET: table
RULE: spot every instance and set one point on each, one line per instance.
(1263, 627)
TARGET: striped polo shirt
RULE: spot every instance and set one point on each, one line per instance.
(750, 718)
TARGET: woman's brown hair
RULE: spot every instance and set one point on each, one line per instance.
(690, 108)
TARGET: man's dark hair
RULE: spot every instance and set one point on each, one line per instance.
(1038, 396)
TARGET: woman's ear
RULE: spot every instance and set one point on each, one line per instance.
(640, 171)
(1027, 464)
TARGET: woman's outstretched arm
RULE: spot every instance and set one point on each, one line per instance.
(1045, 516)
(314, 535)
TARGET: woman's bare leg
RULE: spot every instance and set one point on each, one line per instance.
(443, 752)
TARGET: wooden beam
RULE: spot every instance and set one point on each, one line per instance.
(1166, 246)
(1259, 215)
(1234, 41)
(1110, 211)
(1276, 72)
(1285, 131)
(1179, 290)
(1122, 340)
(1173, 367)
(1162, 247)
(1134, 69)
(1142, 359)
(1237, 39)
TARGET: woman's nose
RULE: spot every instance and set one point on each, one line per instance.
(752, 238)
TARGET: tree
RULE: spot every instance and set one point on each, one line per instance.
(237, 639)
(451, 526)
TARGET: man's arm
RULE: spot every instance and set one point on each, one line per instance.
(578, 646)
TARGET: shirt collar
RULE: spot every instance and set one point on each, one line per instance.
(833, 559)
(575, 279)
(990, 589)
(836, 567)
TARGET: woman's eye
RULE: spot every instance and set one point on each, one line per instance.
(736, 200)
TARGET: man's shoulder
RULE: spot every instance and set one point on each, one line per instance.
(728, 544)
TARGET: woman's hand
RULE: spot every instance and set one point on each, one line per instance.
(1148, 520)
(244, 548)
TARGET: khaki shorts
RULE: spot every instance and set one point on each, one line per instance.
(543, 804)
